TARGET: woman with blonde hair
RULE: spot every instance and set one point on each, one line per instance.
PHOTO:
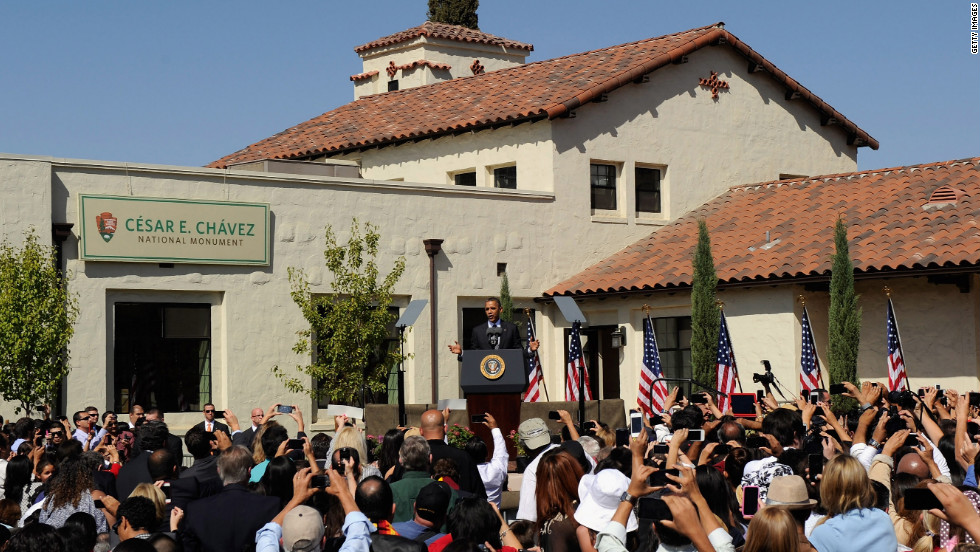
(772, 530)
(351, 437)
(852, 522)
(155, 494)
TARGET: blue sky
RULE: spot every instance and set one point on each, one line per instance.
(185, 83)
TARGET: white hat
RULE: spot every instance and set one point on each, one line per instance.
(599, 497)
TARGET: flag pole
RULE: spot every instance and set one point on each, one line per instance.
(888, 294)
(813, 339)
(530, 324)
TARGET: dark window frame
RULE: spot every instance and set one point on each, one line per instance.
(505, 177)
(465, 175)
(602, 180)
(652, 188)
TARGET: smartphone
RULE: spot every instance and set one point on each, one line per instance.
(921, 499)
(283, 409)
(622, 437)
(591, 425)
(659, 478)
(553, 415)
(814, 397)
(661, 449)
(815, 463)
(166, 492)
(99, 504)
(760, 395)
(695, 435)
(974, 399)
(756, 442)
(656, 420)
(39, 407)
(219, 414)
(345, 454)
(320, 481)
(636, 424)
(653, 509)
(837, 389)
(478, 418)
(912, 440)
(750, 500)
(294, 444)
(698, 398)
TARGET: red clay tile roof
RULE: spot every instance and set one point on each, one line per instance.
(892, 226)
(449, 32)
(362, 76)
(544, 89)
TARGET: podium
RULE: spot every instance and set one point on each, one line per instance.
(492, 381)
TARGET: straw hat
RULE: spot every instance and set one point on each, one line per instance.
(789, 492)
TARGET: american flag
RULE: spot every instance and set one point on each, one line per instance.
(536, 375)
(652, 395)
(727, 371)
(896, 363)
(809, 365)
(575, 363)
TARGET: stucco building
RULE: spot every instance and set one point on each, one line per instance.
(537, 169)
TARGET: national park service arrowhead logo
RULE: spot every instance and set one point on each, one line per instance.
(107, 225)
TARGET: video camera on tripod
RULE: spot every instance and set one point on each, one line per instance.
(765, 378)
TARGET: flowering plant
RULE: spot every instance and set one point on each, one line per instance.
(374, 446)
(459, 435)
(518, 445)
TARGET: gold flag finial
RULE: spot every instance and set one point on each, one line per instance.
(646, 309)
(888, 292)
(803, 300)
(527, 312)
(720, 304)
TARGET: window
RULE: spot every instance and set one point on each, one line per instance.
(465, 179)
(384, 396)
(603, 183)
(647, 190)
(392, 85)
(505, 177)
(674, 342)
(162, 356)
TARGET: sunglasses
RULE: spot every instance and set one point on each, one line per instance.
(209, 411)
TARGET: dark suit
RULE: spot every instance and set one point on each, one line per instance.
(132, 474)
(228, 520)
(395, 543)
(469, 476)
(217, 426)
(510, 337)
(205, 472)
(244, 438)
(176, 447)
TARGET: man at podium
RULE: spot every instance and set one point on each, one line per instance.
(495, 334)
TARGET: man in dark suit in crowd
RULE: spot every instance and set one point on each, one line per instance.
(495, 334)
(247, 437)
(173, 444)
(206, 521)
(433, 428)
(201, 444)
(209, 423)
(152, 436)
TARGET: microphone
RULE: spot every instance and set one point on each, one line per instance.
(493, 336)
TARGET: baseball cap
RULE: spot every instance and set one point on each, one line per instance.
(432, 501)
(534, 432)
(302, 530)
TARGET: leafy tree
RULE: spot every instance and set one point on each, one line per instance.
(845, 317)
(506, 303)
(37, 317)
(705, 316)
(349, 327)
(454, 12)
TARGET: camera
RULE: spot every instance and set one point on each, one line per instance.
(765, 378)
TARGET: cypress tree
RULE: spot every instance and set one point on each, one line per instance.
(705, 317)
(845, 317)
(454, 12)
(506, 303)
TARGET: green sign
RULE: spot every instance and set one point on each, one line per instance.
(155, 230)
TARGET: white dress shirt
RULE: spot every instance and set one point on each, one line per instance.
(494, 472)
(528, 508)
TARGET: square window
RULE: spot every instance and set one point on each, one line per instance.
(465, 179)
(505, 177)
(392, 85)
(647, 190)
(603, 184)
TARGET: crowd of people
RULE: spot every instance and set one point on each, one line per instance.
(886, 472)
